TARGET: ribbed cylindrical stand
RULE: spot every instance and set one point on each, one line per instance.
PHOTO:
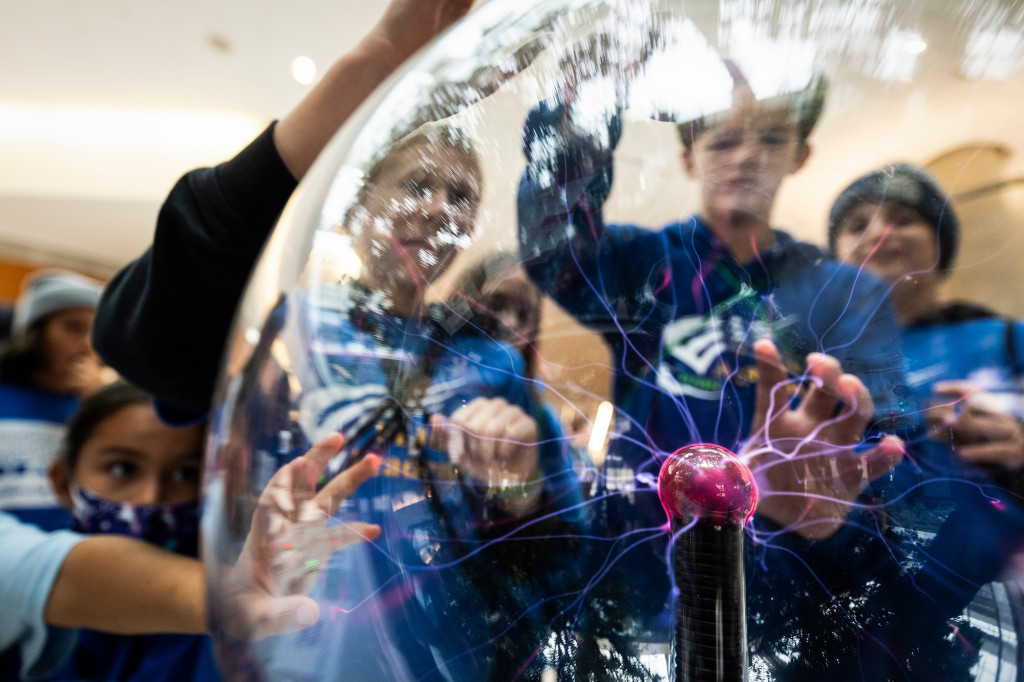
(710, 639)
(709, 495)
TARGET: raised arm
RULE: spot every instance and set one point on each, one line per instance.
(407, 25)
(603, 274)
(164, 319)
(567, 178)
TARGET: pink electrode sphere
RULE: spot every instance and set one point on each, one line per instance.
(707, 481)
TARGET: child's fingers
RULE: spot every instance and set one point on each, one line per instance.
(344, 484)
(322, 453)
(770, 374)
(883, 458)
(819, 404)
(350, 533)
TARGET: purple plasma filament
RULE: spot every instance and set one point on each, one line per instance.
(706, 481)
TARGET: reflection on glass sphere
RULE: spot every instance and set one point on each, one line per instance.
(706, 481)
(562, 205)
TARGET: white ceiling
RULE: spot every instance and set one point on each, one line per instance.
(94, 203)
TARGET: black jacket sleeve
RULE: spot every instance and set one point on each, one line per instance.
(163, 320)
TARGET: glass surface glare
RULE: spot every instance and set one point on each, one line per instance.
(561, 206)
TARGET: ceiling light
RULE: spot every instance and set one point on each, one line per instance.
(915, 44)
(130, 129)
(130, 154)
(303, 70)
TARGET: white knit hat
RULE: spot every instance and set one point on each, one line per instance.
(49, 291)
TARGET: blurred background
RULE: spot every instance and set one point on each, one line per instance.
(103, 105)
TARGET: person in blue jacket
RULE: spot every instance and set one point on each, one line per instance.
(54, 583)
(495, 296)
(221, 217)
(707, 320)
(475, 495)
(45, 371)
(122, 471)
(963, 479)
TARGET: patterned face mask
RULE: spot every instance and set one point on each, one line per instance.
(174, 527)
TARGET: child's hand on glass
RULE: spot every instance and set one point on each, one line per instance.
(290, 541)
(808, 459)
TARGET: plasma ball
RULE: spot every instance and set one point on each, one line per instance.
(708, 494)
(707, 481)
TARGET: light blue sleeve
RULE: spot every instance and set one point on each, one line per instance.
(29, 562)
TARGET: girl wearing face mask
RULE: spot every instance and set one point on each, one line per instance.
(123, 471)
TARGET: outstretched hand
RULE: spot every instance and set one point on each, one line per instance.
(807, 459)
(289, 542)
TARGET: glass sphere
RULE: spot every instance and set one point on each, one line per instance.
(570, 238)
(706, 481)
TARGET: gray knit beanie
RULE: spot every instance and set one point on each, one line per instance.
(910, 186)
(49, 291)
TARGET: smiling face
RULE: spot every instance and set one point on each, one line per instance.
(894, 242)
(889, 239)
(417, 213)
(131, 456)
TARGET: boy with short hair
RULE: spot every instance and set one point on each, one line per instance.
(686, 311)
(682, 307)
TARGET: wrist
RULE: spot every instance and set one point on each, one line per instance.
(377, 53)
(518, 499)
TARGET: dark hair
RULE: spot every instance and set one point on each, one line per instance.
(95, 410)
(808, 103)
(469, 301)
(24, 355)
